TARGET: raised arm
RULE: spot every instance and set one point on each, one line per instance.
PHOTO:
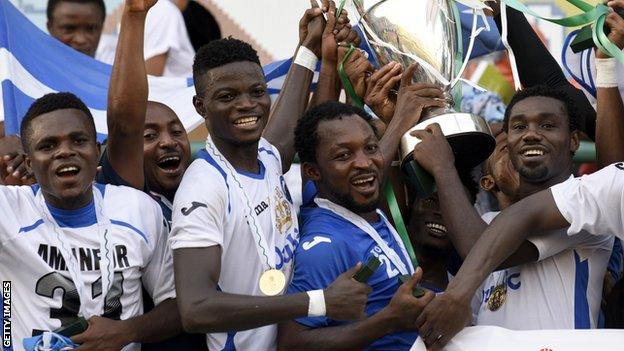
(293, 98)
(127, 96)
(462, 220)
(609, 108)
(399, 315)
(205, 309)
(447, 314)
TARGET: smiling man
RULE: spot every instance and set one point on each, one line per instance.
(342, 154)
(97, 244)
(542, 135)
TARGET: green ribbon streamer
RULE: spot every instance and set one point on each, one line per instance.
(591, 14)
(346, 83)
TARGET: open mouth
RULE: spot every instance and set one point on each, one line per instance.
(436, 229)
(364, 183)
(247, 121)
(533, 152)
(67, 171)
(169, 163)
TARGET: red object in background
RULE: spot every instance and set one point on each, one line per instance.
(587, 168)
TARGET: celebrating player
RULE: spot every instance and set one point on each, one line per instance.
(89, 248)
(340, 152)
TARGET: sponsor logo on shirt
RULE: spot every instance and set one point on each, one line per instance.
(286, 254)
(283, 212)
(194, 205)
(315, 241)
(88, 258)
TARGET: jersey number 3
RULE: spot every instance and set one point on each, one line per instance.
(49, 283)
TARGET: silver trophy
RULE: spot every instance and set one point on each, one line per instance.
(425, 31)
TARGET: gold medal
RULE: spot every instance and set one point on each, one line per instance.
(498, 297)
(272, 282)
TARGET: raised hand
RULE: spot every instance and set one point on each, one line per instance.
(615, 23)
(357, 67)
(13, 170)
(311, 28)
(345, 298)
(413, 98)
(379, 96)
(404, 308)
(139, 5)
(433, 152)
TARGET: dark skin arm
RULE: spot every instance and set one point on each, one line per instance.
(127, 97)
(609, 107)
(293, 98)
(462, 220)
(155, 66)
(447, 314)
(160, 323)
(400, 314)
(206, 310)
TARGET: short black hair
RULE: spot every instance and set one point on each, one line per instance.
(53, 3)
(49, 103)
(220, 52)
(575, 119)
(306, 136)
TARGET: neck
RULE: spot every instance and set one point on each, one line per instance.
(434, 269)
(241, 157)
(527, 188)
(72, 203)
(370, 217)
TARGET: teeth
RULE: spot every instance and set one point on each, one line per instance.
(170, 158)
(245, 121)
(436, 227)
(533, 152)
(68, 169)
(365, 180)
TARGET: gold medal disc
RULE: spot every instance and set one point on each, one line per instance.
(272, 282)
(498, 297)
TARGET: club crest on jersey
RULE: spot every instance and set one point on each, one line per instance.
(283, 212)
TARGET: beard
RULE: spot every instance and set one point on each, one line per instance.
(347, 201)
(535, 174)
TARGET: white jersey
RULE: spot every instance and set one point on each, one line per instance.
(209, 211)
(562, 290)
(593, 202)
(42, 294)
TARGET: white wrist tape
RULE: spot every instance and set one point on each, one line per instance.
(316, 307)
(606, 73)
(306, 58)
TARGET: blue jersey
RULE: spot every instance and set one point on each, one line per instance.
(330, 245)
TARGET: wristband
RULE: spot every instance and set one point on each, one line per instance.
(316, 307)
(606, 73)
(306, 58)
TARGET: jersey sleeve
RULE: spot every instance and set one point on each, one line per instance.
(200, 208)
(9, 202)
(158, 273)
(557, 241)
(319, 260)
(593, 202)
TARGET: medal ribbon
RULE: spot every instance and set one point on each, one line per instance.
(88, 306)
(368, 229)
(265, 253)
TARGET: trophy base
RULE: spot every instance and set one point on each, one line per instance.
(469, 136)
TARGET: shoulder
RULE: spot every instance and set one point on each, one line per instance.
(322, 234)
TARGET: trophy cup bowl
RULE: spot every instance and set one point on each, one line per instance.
(425, 31)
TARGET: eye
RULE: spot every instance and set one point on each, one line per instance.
(518, 126)
(149, 135)
(258, 92)
(80, 141)
(45, 147)
(226, 97)
(373, 147)
(548, 126)
(177, 133)
(343, 155)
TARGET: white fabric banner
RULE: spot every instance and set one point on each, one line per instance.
(487, 338)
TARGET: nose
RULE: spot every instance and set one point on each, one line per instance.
(166, 141)
(532, 133)
(65, 150)
(363, 161)
(246, 102)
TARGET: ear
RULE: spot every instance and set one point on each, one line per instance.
(487, 183)
(311, 171)
(199, 106)
(575, 141)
